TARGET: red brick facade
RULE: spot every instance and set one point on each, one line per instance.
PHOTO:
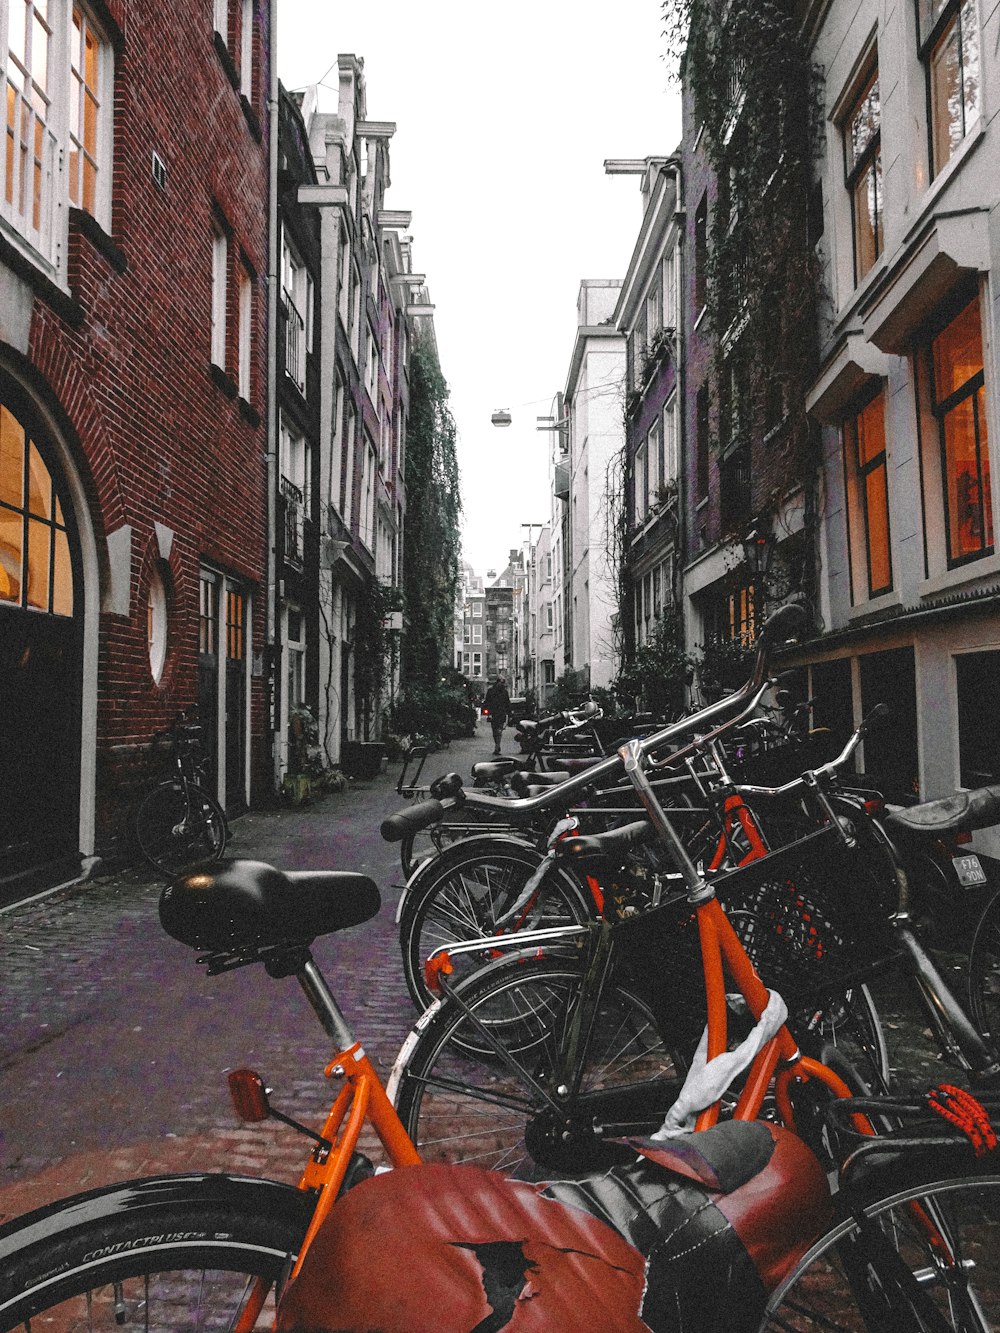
(156, 434)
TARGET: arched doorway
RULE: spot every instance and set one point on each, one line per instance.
(41, 650)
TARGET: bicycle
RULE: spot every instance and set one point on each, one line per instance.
(177, 823)
(228, 1251)
(506, 1037)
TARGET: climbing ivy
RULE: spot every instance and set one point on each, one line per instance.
(746, 65)
(431, 542)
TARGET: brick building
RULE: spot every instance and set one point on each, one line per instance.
(133, 385)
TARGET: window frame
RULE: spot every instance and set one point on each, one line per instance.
(974, 389)
(928, 43)
(856, 168)
(856, 477)
(35, 216)
(220, 292)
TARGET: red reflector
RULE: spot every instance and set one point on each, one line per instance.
(246, 1088)
(874, 805)
(962, 838)
(433, 969)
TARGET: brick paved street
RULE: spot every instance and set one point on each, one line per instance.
(114, 1046)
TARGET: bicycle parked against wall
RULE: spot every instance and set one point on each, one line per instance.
(178, 822)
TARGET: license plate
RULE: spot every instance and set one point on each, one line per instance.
(968, 870)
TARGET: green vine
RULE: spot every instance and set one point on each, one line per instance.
(747, 68)
(431, 543)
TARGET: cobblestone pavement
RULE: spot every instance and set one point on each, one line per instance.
(114, 1046)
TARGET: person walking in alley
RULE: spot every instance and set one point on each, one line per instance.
(497, 704)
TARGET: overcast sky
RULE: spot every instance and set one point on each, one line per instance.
(504, 118)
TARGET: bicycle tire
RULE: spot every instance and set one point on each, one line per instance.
(470, 891)
(173, 832)
(459, 1108)
(876, 1271)
(984, 973)
(148, 1250)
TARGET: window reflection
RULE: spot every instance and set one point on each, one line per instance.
(35, 566)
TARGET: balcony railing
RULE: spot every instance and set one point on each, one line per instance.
(292, 522)
(294, 335)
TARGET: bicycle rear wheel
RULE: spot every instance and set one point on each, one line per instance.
(469, 897)
(926, 1260)
(175, 1253)
(515, 1113)
(177, 826)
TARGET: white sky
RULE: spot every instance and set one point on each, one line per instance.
(504, 118)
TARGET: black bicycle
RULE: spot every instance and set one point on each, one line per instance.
(178, 823)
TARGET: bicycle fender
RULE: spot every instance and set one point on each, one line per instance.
(441, 861)
(62, 1218)
(402, 1061)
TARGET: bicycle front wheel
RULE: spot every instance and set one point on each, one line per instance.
(926, 1260)
(173, 1253)
(574, 1071)
(177, 825)
(984, 973)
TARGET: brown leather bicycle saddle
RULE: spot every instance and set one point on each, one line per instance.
(690, 1237)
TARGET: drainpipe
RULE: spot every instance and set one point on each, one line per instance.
(673, 165)
(271, 638)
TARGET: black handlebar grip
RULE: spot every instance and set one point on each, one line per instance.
(412, 820)
(878, 714)
(782, 624)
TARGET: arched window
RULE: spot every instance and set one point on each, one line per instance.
(35, 568)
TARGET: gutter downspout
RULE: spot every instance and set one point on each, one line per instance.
(271, 644)
(673, 164)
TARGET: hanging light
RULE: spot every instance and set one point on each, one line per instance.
(758, 547)
(501, 417)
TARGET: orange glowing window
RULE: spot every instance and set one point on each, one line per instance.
(35, 567)
(868, 498)
(959, 400)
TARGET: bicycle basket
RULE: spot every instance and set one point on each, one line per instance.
(812, 915)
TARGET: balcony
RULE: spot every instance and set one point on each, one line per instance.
(292, 333)
(292, 522)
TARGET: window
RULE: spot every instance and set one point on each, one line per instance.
(670, 441)
(670, 289)
(344, 294)
(235, 624)
(949, 45)
(702, 442)
(220, 257)
(156, 624)
(246, 324)
(868, 500)
(366, 517)
(477, 664)
(653, 466)
(549, 616)
(466, 632)
(295, 660)
(371, 362)
(246, 49)
(466, 662)
(640, 483)
(863, 169)
(477, 608)
(337, 445)
(477, 634)
(208, 611)
(296, 311)
(701, 255)
(58, 76)
(35, 568)
(978, 727)
(959, 402)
